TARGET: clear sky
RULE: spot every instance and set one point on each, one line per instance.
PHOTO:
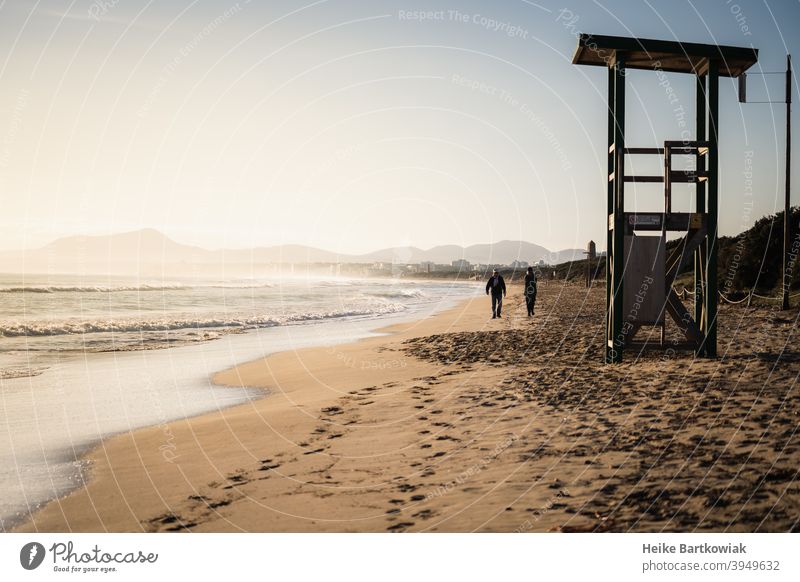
(355, 125)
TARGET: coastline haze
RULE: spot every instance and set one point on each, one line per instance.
(149, 251)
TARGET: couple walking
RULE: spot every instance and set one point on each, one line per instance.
(496, 285)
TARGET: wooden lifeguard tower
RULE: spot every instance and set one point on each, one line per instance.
(639, 276)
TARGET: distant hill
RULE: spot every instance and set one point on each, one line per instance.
(151, 252)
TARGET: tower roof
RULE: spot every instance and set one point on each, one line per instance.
(664, 55)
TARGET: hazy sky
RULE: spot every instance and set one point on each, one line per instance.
(355, 125)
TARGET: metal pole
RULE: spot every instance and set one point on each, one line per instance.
(787, 203)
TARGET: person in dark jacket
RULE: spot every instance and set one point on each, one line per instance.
(530, 290)
(497, 286)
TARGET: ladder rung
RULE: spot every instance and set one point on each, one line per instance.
(686, 144)
(651, 179)
(689, 151)
(644, 150)
(700, 148)
(687, 176)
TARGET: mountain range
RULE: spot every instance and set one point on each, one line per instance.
(150, 251)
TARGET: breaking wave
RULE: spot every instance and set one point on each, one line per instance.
(77, 327)
(399, 294)
(127, 288)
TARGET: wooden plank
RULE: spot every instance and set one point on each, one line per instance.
(649, 179)
(694, 240)
(636, 151)
(644, 275)
(682, 317)
(687, 176)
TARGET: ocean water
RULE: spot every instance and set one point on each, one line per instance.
(84, 359)
(63, 314)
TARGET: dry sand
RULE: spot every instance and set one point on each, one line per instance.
(462, 423)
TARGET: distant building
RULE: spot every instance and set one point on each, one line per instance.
(485, 269)
(461, 265)
(427, 266)
(519, 264)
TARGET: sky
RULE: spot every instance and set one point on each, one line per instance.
(357, 125)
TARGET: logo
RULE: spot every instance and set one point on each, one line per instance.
(31, 555)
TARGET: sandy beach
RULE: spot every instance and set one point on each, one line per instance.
(463, 423)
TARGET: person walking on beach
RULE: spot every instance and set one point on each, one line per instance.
(530, 290)
(497, 286)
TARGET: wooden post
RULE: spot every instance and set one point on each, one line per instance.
(700, 204)
(616, 341)
(711, 296)
(667, 182)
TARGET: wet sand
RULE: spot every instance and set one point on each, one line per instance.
(463, 423)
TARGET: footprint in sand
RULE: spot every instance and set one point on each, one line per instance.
(175, 522)
(239, 477)
(401, 526)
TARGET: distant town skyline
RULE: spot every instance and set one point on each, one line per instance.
(359, 125)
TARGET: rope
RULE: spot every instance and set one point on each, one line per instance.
(774, 298)
(733, 302)
(763, 296)
(685, 291)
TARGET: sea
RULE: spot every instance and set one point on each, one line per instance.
(84, 358)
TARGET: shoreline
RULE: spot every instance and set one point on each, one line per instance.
(460, 423)
(92, 453)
